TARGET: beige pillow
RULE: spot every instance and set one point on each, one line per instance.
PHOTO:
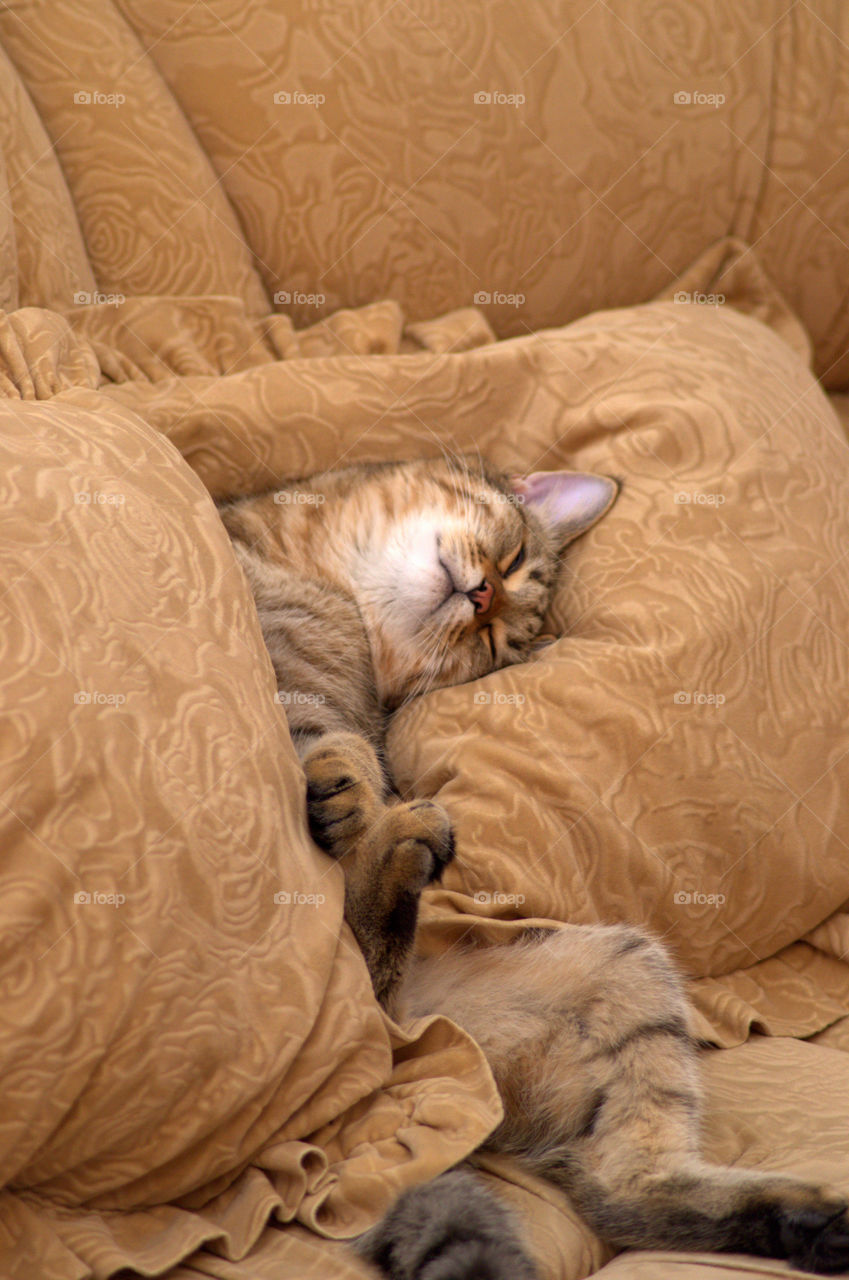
(184, 1016)
(679, 757)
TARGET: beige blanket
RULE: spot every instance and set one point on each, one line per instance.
(196, 1079)
(188, 1031)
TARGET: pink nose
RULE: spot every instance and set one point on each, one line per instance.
(481, 597)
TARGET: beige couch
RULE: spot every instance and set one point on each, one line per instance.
(269, 237)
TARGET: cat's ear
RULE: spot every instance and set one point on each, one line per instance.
(566, 502)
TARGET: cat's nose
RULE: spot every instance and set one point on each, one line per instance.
(481, 596)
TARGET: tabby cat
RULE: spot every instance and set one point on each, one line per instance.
(375, 583)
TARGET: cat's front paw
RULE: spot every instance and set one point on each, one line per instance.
(414, 843)
(388, 852)
(344, 791)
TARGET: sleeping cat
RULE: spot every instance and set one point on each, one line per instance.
(373, 584)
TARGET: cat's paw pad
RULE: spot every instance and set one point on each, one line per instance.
(343, 792)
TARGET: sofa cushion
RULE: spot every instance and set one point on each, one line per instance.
(189, 1041)
(678, 757)
(580, 161)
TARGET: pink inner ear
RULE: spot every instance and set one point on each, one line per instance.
(566, 501)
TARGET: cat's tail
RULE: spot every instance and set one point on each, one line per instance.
(451, 1228)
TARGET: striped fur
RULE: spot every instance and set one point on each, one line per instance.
(374, 584)
(586, 1030)
(354, 574)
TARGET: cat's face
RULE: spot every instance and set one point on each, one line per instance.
(460, 577)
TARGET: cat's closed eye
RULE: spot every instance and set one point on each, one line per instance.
(516, 563)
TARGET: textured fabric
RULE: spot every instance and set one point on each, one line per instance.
(771, 1106)
(184, 1017)
(353, 151)
(44, 256)
(196, 1079)
(558, 773)
(150, 209)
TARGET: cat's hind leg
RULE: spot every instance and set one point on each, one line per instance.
(586, 1031)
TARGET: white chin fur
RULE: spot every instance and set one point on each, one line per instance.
(408, 580)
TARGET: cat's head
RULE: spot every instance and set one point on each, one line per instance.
(465, 567)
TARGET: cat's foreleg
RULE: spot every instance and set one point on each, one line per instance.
(389, 851)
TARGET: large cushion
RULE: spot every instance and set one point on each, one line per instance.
(189, 1042)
